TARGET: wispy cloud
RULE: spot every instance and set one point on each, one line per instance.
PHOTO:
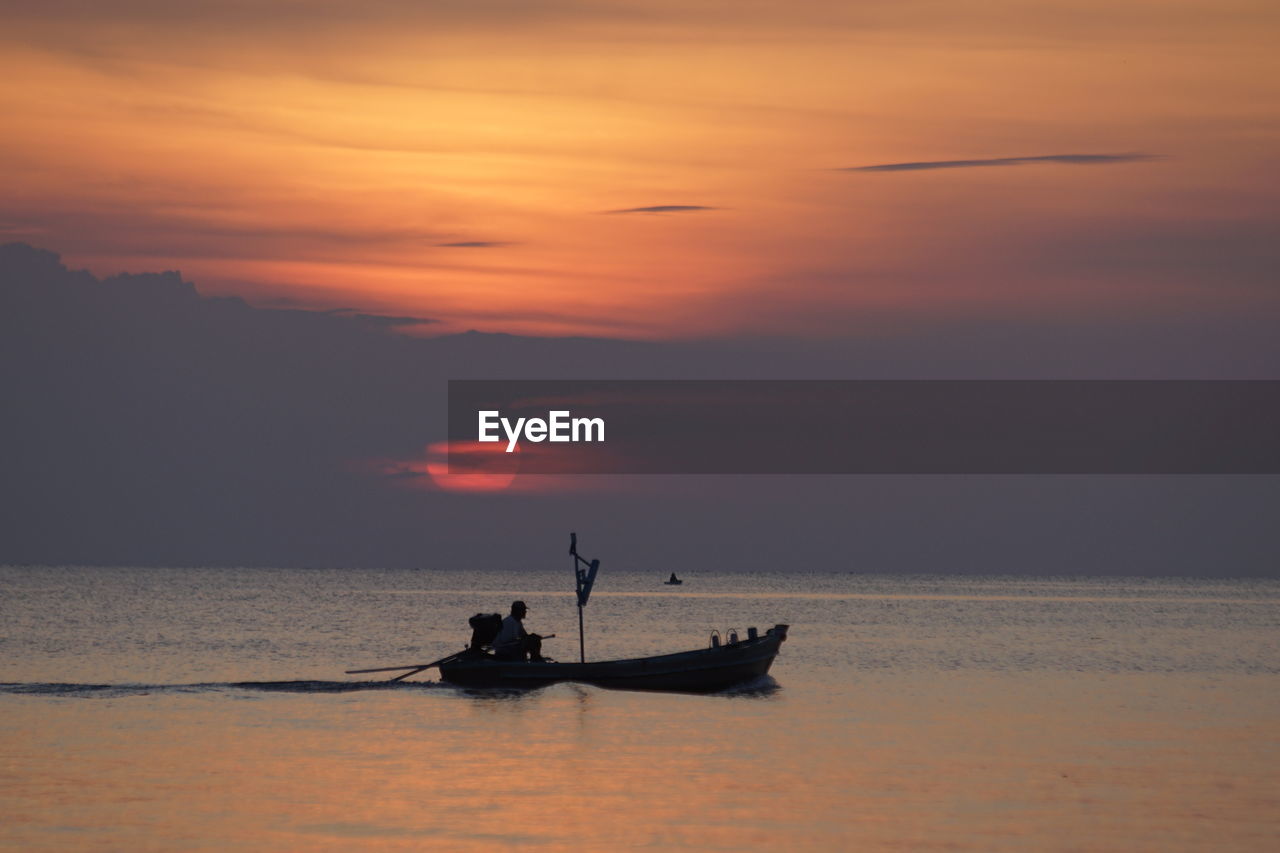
(1070, 159)
(285, 305)
(391, 321)
(663, 208)
(474, 244)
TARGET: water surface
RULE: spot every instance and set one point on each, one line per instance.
(207, 708)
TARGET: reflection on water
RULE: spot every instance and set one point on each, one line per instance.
(193, 709)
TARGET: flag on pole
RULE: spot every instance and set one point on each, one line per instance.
(586, 579)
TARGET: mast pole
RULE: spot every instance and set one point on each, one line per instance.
(577, 585)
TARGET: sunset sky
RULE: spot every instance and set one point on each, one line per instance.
(656, 169)
(946, 332)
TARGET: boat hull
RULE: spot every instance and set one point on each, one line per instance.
(699, 671)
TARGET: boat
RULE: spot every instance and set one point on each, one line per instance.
(673, 580)
(708, 670)
(718, 667)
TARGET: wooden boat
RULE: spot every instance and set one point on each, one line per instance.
(699, 671)
(707, 670)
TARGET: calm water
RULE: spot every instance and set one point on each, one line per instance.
(199, 708)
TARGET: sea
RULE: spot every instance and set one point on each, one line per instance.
(208, 708)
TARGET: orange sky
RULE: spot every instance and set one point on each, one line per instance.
(329, 153)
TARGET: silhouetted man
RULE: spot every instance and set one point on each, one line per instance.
(513, 642)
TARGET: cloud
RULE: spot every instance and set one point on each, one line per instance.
(175, 229)
(474, 244)
(1071, 159)
(153, 425)
(663, 208)
(286, 305)
(389, 321)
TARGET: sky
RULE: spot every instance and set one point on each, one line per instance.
(243, 245)
(657, 170)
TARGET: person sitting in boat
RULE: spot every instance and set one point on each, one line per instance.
(513, 642)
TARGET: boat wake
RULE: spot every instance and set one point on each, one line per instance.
(756, 687)
(111, 691)
(764, 685)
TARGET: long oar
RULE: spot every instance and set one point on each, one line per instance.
(413, 667)
(409, 673)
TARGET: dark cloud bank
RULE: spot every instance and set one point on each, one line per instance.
(145, 424)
